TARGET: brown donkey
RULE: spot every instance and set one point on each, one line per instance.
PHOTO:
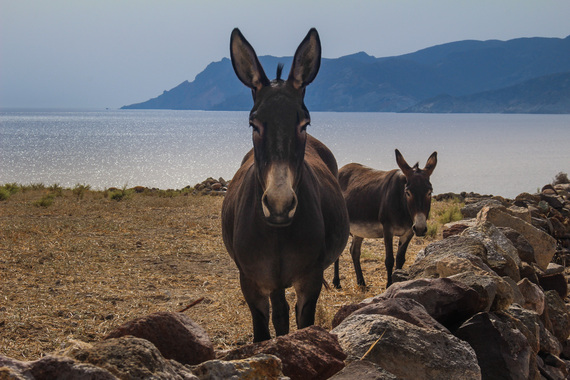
(284, 220)
(386, 204)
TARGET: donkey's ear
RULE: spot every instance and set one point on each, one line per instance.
(307, 61)
(430, 164)
(406, 169)
(245, 62)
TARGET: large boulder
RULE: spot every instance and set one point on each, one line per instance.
(554, 279)
(523, 247)
(543, 244)
(495, 293)
(448, 301)
(363, 369)
(533, 296)
(174, 334)
(450, 256)
(51, 367)
(310, 353)
(256, 367)
(558, 315)
(406, 350)
(406, 309)
(528, 323)
(502, 256)
(471, 210)
(502, 352)
(129, 358)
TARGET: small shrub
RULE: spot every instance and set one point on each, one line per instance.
(4, 194)
(56, 190)
(560, 178)
(32, 186)
(432, 230)
(45, 201)
(12, 188)
(451, 214)
(119, 195)
(80, 190)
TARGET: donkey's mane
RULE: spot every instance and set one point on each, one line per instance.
(279, 70)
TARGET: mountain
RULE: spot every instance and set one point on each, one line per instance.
(415, 82)
(546, 94)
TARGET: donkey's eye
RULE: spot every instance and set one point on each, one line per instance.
(254, 127)
(408, 193)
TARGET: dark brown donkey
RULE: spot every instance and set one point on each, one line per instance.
(284, 219)
(384, 204)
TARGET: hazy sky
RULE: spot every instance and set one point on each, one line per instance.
(109, 53)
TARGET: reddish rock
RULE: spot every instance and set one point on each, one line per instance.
(174, 334)
(310, 353)
(455, 229)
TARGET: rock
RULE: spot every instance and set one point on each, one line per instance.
(174, 334)
(554, 279)
(502, 352)
(526, 199)
(558, 315)
(533, 296)
(553, 200)
(544, 245)
(520, 212)
(256, 367)
(529, 324)
(51, 367)
(448, 301)
(406, 309)
(406, 350)
(523, 247)
(310, 353)
(529, 272)
(454, 228)
(472, 251)
(130, 358)
(363, 369)
(471, 210)
(502, 256)
(486, 286)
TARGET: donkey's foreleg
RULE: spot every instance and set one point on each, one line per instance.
(355, 252)
(258, 302)
(389, 260)
(403, 247)
(280, 312)
(308, 290)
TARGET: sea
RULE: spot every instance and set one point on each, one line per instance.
(498, 154)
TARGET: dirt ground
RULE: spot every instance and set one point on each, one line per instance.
(80, 267)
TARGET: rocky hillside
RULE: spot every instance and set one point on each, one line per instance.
(486, 70)
(490, 300)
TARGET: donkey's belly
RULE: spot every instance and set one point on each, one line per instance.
(367, 229)
(374, 230)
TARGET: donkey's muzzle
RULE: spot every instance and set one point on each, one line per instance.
(279, 211)
(420, 225)
(279, 201)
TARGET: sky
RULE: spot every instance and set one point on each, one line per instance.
(109, 53)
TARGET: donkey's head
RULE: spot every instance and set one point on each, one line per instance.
(418, 191)
(279, 120)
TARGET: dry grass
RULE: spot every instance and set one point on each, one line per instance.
(79, 267)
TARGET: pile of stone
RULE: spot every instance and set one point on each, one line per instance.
(211, 186)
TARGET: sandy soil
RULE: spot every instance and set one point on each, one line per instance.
(82, 266)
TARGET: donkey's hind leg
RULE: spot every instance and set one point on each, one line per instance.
(355, 247)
